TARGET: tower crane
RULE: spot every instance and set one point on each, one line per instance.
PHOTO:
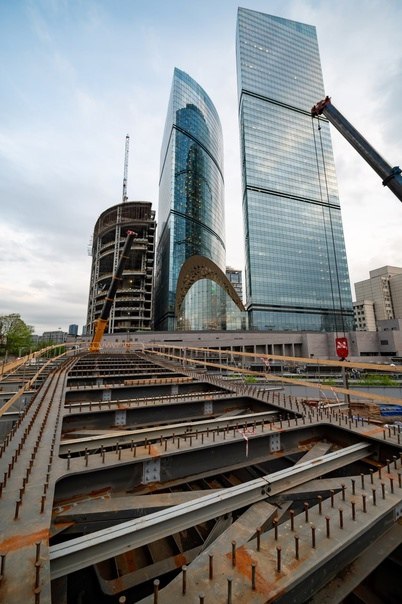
(391, 177)
(125, 198)
(101, 322)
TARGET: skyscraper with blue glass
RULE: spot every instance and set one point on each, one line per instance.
(296, 268)
(191, 193)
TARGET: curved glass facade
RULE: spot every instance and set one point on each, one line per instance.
(296, 269)
(191, 191)
(208, 307)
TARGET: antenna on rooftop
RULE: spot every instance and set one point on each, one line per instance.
(125, 198)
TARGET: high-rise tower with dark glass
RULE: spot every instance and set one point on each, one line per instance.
(191, 195)
(296, 268)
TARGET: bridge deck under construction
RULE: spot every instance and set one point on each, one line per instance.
(127, 478)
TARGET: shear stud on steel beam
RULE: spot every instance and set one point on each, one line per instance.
(233, 553)
(184, 579)
(211, 567)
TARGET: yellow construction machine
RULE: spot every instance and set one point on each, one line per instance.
(100, 324)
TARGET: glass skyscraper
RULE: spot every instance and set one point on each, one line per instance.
(296, 268)
(191, 194)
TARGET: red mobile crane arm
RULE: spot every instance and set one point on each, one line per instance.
(101, 323)
(391, 177)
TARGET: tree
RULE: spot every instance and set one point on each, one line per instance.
(15, 335)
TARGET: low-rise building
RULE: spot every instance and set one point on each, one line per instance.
(378, 298)
(364, 315)
(55, 337)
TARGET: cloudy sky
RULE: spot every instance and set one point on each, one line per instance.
(77, 75)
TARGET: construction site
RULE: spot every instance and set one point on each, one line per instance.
(135, 470)
(223, 458)
(163, 474)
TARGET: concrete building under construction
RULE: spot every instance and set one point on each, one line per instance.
(132, 306)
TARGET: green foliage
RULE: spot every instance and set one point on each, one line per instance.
(250, 379)
(373, 379)
(58, 351)
(329, 382)
(42, 344)
(15, 335)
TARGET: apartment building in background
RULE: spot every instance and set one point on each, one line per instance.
(378, 298)
(235, 277)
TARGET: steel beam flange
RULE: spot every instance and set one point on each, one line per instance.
(101, 545)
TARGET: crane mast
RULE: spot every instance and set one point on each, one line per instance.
(125, 198)
(391, 177)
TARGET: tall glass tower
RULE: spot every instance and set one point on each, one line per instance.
(191, 193)
(296, 269)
